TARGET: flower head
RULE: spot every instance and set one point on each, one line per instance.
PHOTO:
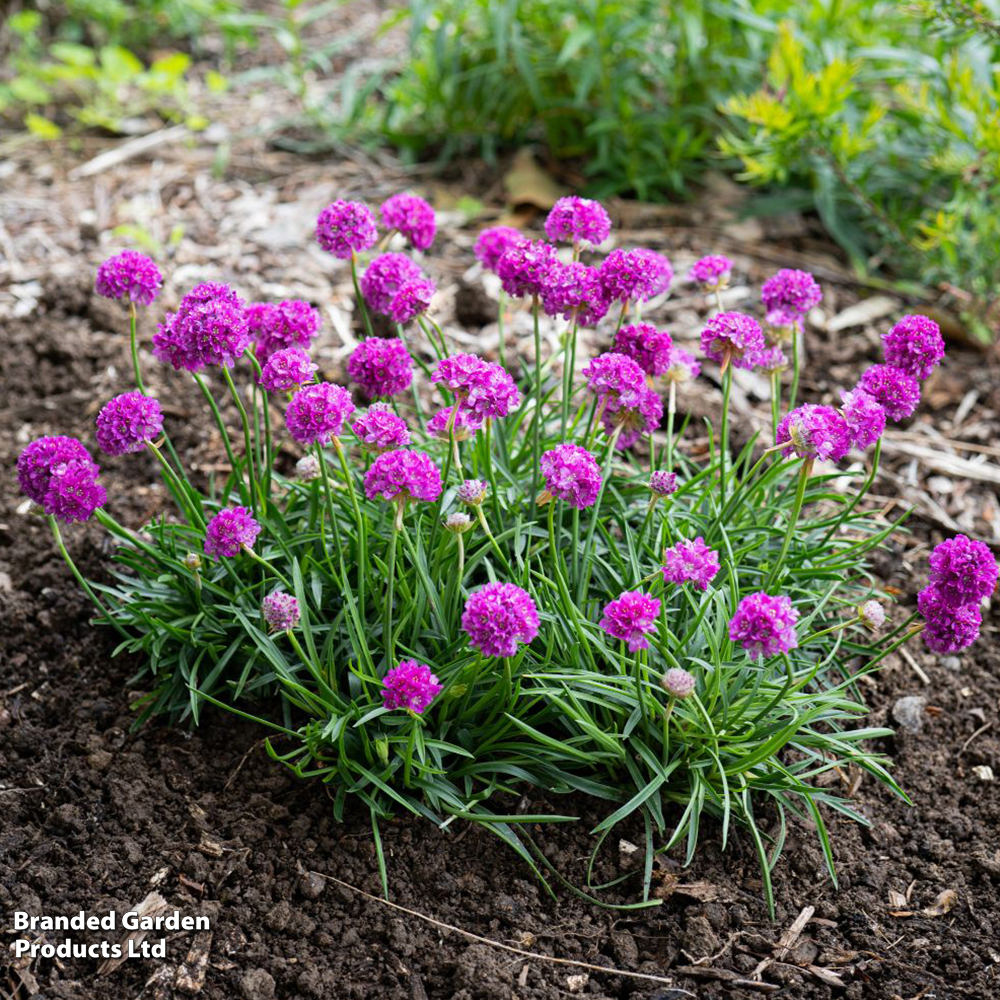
(865, 417)
(788, 296)
(764, 625)
(898, 392)
(412, 217)
(771, 359)
(631, 618)
(411, 685)
(614, 377)
(814, 432)
(872, 614)
(524, 269)
(574, 291)
(681, 366)
(662, 484)
(733, 336)
(648, 347)
(458, 523)
(634, 275)
(128, 423)
(963, 571)
(572, 474)
(229, 531)
(381, 429)
(464, 426)
(690, 562)
(473, 492)
(209, 328)
(277, 325)
(381, 366)
(492, 244)
(280, 611)
(678, 683)
(499, 616)
(192, 561)
(578, 220)
(411, 300)
(404, 476)
(660, 274)
(36, 462)
(318, 412)
(485, 389)
(129, 275)
(73, 492)
(711, 272)
(345, 228)
(287, 369)
(914, 345)
(307, 468)
(632, 421)
(384, 277)
(949, 628)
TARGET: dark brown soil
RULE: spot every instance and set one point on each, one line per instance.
(94, 817)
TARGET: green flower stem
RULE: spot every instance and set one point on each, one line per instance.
(455, 456)
(328, 685)
(134, 344)
(359, 520)
(913, 616)
(491, 476)
(257, 500)
(359, 298)
(269, 567)
(268, 442)
(569, 367)
(190, 502)
(775, 402)
(536, 417)
(621, 316)
(439, 348)
(227, 443)
(793, 517)
(439, 331)
(492, 540)
(859, 494)
(335, 527)
(892, 649)
(727, 386)
(80, 579)
(667, 712)
(408, 757)
(671, 413)
(856, 620)
(584, 580)
(501, 346)
(793, 392)
(390, 646)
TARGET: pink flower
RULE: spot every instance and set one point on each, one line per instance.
(36, 462)
(678, 683)
(578, 220)
(403, 475)
(485, 389)
(276, 325)
(127, 423)
(631, 618)
(692, 562)
(384, 277)
(345, 228)
(634, 275)
(381, 367)
(493, 243)
(318, 412)
(963, 571)
(788, 296)
(524, 269)
(764, 625)
(614, 377)
(733, 336)
(711, 272)
(287, 369)
(648, 347)
(815, 432)
(915, 346)
(412, 217)
(73, 492)
(865, 417)
(229, 531)
(413, 299)
(572, 474)
(280, 611)
(574, 291)
(897, 392)
(130, 276)
(464, 426)
(643, 417)
(411, 685)
(681, 366)
(662, 484)
(948, 628)
(499, 616)
(380, 429)
(209, 328)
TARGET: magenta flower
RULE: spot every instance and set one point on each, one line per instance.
(948, 628)
(473, 492)
(464, 427)
(499, 616)
(711, 272)
(403, 476)
(574, 291)
(615, 378)
(524, 269)
(578, 220)
(413, 299)
(771, 359)
(38, 459)
(648, 347)
(898, 392)
(662, 484)
(691, 562)
(318, 412)
(492, 244)
(209, 328)
(681, 366)
(411, 216)
(485, 389)
(872, 614)
(788, 296)
(276, 325)
(129, 275)
(411, 685)
(384, 277)
(732, 337)
(764, 625)
(287, 369)
(345, 228)
(631, 618)
(865, 417)
(963, 571)
(280, 611)
(632, 422)
(572, 474)
(814, 432)
(128, 423)
(634, 275)
(229, 531)
(381, 367)
(661, 273)
(678, 683)
(73, 492)
(380, 429)
(915, 346)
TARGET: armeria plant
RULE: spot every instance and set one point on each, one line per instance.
(499, 576)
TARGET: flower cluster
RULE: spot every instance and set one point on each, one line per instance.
(578, 220)
(632, 420)
(947, 628)
(318, 412)
(865, 417)
(691, 562)
(647, 346)
(59, 474)
(711, 272)
(411, 685)
(764, 625)
(412, 217)
(395, 286)
(209, 328)
(635, 275)
(895, 391)
(280, 611)
(230, 531)
(574, 291)
(492, 244)
(788, 296)
(678, 683)
(381, 429)
(275, 326)
(815, 432)
(572, 474)
(525, 268)
(615, 378)
(402, 476)
(287, 369)
(631, 617)
(128, 423)
(662, 484)
(463, 426)
(963, 571)
(682, 366)
(499, 616)
(915, 346)
(131, 276)
(381, 367)
(345, 228)
(482, 388)
(473, 492)
(733, 337)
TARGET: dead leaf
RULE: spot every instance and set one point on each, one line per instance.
(528, 184)
(863, 312)
(897, 899)
(943, 904)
